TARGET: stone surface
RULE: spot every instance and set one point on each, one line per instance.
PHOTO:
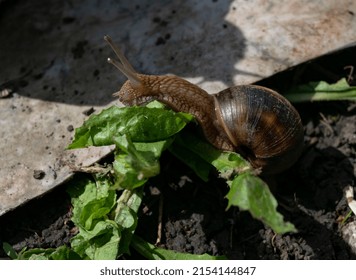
(53, 64)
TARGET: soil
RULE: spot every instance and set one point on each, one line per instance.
(194, 216)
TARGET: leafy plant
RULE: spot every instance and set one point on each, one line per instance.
(105, 207)
(141, 134)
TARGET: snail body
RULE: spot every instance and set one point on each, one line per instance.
(254, 121)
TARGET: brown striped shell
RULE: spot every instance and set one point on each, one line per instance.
(262, 125)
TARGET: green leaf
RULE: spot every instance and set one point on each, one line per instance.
(98, 236)
(127, 207)
(126, 216)
(142, 124)
(64, 253)
(249, 192)
(195, 162)
(104, 230)
(136, 162)
(37, 254)
(322, 91)
(9, 250)
(60, 253)
(99, 243)
(152, 252)
(194, 151)
(91, 201)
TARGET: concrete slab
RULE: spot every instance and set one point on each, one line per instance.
(53, 64)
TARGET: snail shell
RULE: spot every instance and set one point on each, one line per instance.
(262, 125)
(257, 122)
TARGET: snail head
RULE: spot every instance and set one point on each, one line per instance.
(128, 94)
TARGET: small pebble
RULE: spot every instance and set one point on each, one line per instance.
(89, 111)
(38, 174)
(70, 128)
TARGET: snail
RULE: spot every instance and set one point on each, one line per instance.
(257, 122)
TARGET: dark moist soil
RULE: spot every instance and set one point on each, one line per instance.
(194, 216)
